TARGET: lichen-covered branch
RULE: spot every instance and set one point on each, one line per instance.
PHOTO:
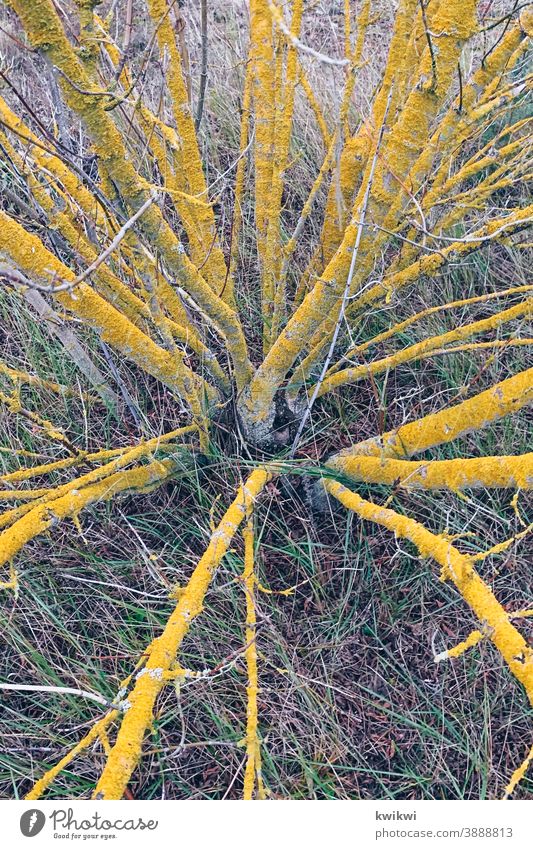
(47, 514)
(13, 538)
(425, 347)
(403, 325)
(252, 772)
(457, 568)
(471, 473)
(30, 255)
(43, 27)
(448, 424)
(125, 754)
(427, 265)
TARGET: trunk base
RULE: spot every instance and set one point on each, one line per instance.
(274, 431)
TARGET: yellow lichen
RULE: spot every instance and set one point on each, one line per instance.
(43, 27)
(472, 640)
(100, 483)
(448, 424)
(458, 568)
(490, 472)
(252, 772)
(125, 753)
(518, 774)
(46, 514)
(427, 347)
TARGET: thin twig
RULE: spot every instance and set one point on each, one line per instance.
(430, 46)
(295, 41)
(73, 691)
(203, 72)
(15, 276)
(470, 239)
(460, 106)
(501, 36)
(116, 241)
(128, 27)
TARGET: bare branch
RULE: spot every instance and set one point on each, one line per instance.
(203, 71)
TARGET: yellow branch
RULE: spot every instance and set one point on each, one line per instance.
(126, 752)
(74, 232)
(204, 247)
(110, 285)
(407, 138)
(57, 465)
(454, 128)
(50, 164)
(203, 216)
(14, 405)
(500, 547)
(253, 744)
(47, 514)
(23, 494)
(262, 58)
(514, 163)
(472, 640)
(427, 265)
(426, 347)
(121, 458)
(315, 106)
(44, 30)
(488, 78)
(98, 731)
(273, 282)
(511, 471)
(241, 168)
(518, 774)
(458, 568)
(402, 325)
(18, 376)
(43, 783)
(31, 256)
(448, 424)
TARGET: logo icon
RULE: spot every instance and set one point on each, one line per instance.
(32, 822)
